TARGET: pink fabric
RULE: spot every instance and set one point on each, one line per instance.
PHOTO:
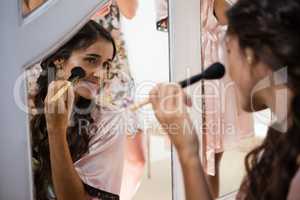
(225, 123)
(161, 9)
(102, 166)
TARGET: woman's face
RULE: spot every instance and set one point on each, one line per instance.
(95, 60)
(244, 73)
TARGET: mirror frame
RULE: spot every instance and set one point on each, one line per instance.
(17, 36)
(185, 60)
(185, 53)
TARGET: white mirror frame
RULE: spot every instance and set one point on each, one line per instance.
(22, 44)
(185, 60)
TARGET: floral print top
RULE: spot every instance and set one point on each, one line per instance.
(119, 91)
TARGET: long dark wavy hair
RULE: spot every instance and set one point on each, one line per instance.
(77, 137)
(271, 28)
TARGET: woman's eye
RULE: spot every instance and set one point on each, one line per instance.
(92, 60)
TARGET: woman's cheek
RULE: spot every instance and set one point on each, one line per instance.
(67, 70)
(232, 70)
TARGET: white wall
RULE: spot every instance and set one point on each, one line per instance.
(148, 48)
(148, 52)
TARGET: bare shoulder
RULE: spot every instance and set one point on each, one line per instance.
(294, 188)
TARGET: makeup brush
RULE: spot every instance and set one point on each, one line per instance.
(215, 71)
(76, 74)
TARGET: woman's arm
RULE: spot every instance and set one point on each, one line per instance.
(220, 8)
(128, 8)
(195, 183)
(67, 183)
(168, 102)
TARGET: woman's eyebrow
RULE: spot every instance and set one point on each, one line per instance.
(93, 55)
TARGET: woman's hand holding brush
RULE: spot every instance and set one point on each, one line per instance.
(76, 74)
(59, 101)
(169, 103)
(58, 112)
(215, 71)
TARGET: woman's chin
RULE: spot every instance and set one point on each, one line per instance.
(247, 108)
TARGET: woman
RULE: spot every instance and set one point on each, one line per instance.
(72, 157)
(225, 124)
(262, 38)
(220, 113)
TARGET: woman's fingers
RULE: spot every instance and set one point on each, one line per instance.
(58, 111)
(153, 96)
(169, 103)
(70, 100)
(61, 104)
(169, 97)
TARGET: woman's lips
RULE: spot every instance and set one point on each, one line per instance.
(94, 81)
(92, 86)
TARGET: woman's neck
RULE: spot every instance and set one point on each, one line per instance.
(278, 99)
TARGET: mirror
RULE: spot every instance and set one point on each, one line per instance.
(115, 152)
(29, 6)
(160, 154)
(226, 133)
(150, 65)
(225, 125)
(229, 133)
